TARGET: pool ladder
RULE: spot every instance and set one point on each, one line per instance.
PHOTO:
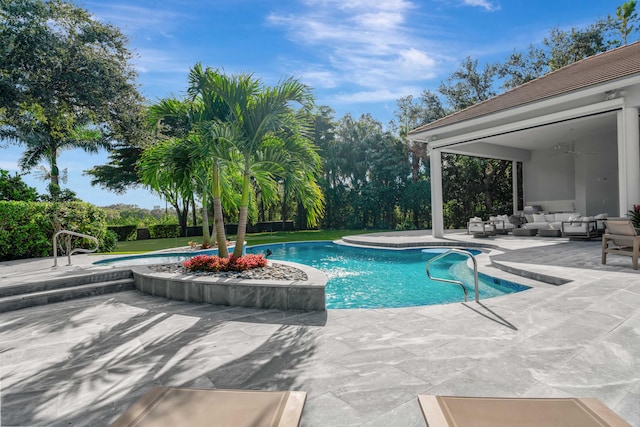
(68, 249)
(457, 282)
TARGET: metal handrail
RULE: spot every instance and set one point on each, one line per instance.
(457, 282)
(70, 251)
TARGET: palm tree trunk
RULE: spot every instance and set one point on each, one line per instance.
(206, 236)
(194, 215)
(242, 231)
(218, 219)
(244, 207)
(221, 238)
(285, 201)
(55, 173)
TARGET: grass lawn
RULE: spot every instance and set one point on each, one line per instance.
(141, 246)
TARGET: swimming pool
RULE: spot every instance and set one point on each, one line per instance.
(367, 277)
(375, 278)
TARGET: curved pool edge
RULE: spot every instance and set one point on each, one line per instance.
(518, 271)
(308, 295)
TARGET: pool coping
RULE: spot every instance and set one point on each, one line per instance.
(522, 272)
(258, 293)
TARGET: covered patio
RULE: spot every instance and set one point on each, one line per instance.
(575, 131)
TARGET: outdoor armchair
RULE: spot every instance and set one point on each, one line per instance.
(621, 238)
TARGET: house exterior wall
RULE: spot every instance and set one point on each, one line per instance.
(587, 183)
(549, 177)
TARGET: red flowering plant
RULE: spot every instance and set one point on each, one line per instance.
(215, 263)
(634, 215)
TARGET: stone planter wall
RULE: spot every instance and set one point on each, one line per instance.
(278, 294)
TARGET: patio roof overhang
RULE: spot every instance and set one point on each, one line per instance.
(513, 134)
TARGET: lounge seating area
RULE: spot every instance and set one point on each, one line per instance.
(621, 238)
(570, 224)
(561, 224)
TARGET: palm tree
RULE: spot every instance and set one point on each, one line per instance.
(213, 136)
(259, 116)
(164, 167)
(44, 145)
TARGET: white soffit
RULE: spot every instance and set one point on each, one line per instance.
(601, 107)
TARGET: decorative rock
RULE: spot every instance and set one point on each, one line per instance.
(272, 271)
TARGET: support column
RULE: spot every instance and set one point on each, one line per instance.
(437, 215)
(514, 184)
(628, 159)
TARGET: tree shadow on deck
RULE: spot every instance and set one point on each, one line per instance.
(150, 342)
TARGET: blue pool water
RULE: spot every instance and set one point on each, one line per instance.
(368, 278)
(372, 278)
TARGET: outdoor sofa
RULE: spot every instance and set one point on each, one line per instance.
(569, 224)
(480, 228)
(502, 223)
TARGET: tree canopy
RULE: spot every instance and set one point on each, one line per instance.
(66, 81)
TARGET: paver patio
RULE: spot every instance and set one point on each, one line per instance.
(83, 362)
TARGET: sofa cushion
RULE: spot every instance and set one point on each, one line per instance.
(575, 227)
(539, 218)
(536, 225)
(556, 225)
(563, 216)
(550, 217)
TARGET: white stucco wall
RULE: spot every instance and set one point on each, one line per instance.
(586, 183)
(548, 176)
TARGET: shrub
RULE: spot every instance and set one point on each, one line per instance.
(162, 231)
(27, 228)
(215, 263)
(109, 243)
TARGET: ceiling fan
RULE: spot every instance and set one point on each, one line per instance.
(568, 149)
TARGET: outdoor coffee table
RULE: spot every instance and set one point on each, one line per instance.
(549, 233)
(525, 231)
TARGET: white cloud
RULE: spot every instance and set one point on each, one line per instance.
(319, 78)
(157, 60)
(134, 19)
(372, 96)
(490, 6)
(366, 44)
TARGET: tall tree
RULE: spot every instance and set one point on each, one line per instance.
(412, 114)
(260, 115)
(468, 86)
(213, 150)
(66, 81)
(173, 119)
(626, 16)
(165, 167)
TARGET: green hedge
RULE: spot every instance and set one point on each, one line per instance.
(27, 228)
(162, 231)
(124, 232)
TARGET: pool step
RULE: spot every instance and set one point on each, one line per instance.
(56, 290)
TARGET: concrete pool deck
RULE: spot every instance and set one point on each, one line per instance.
(83, 362)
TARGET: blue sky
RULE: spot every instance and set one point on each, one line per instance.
(359, 56)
